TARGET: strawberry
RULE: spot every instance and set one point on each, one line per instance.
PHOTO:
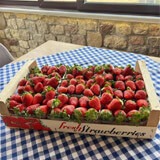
(117, 71)
(129, 77)
(119, 85)
(20, 89)
(130, 105)
(140, 84)
(53, 82)
(38, 98)
(142, 103)
(53, 103)
(106, 115)
(79, 77)
(95, 88)
(140, 94)
(31, 109)
(73, 101)
(131, 85)
(108, 68)
(139, 77)
(62, 90)
(91, 115)
(18, 110)
(41, 111)
(108, 77)
(88, 93)
(63, 99)
(37, 79)
(62, 70)
(106, 98)
(115, 104)
(46, 81)
(83, 101)
(16, 97)
(73, 81)
(44, 69)
(55, 113)
(99, 80)
(56, 75)
(134, 117)
(64, 83)
(88, 75)
(145, 112)
(69, 109)
(128, 94)
(69, 76)
(118, 93)
(95, 103)
(28, 88)
(52, 69)
(27, 99)
(76, 70)
(108, 89)
(81, 81)
(120, 77)
(120, 116)
(50, 94)
(22, 82)
(99, 69)
(12, 104)
(79, 88)
(38, 87)
(71, 89)
(79, 114)
(89, 83)
(127, 71)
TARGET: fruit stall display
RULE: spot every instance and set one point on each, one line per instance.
(99, 99)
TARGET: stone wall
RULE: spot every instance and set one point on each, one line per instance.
(21, 33)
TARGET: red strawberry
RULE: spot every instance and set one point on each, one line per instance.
(107, 89)
(44, 69)
(120, 77)
(115, 104)
(64, 83)
(79, 77)
(22, 82)
(20, 89)
(69, 109)
(69, 76)
(108, 77)
(83, 101)
(62, 69)
(140, 94)
(50, 94)
(53, 82)
(79, 88)
(99, 80)
(129, 77)
(108, 68)
(53, 103)
(27, 99)
(37, 79)
(52, 69)
(117, 71)
(128, 94)
(73, 81)
(38, 87)
(63, 99)
(82, 110)
(28, 88)
(139, 77)
(45, 83)
(41, 111)
(99, 69)
(18, 109)
(95, 103)
(106, 98)
(119, 85)
(81, 81)
(130, 105)
(89, 74)
(30, 109)
(71, 89)
(95, 88)
(128, 71)
(62, 89)
(88, 93)
(16, 97)
(55, 113)
(56, 75)
(73, 101)
(89, 83)
(120, 116)
(38, 98)
(131, 85)
(142, 103)
(118, 93)
(134, 116)
(13, 103)
(140, 84)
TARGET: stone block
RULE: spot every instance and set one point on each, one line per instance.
(14, 33)
(7, 33)
(42, 27)
(49, 37)
(62, 38)
(20, 23)
(123, 29)
(87, 24)
(136, 40)
(94, 39)
(2, 22)
(140, 28)
(106, 28)
(154, 29)
(11, 23)
(2, 34)
(71, 29)
(31, 26)
(33, 44)
(24, 44)
(153, 42)
(137, 49)
(24, 35)
(78, 39)
(57, 30)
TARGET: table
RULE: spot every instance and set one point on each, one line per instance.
(29, 144)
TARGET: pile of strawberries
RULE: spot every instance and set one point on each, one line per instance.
(102, 93)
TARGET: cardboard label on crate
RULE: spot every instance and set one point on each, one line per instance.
(101, 129)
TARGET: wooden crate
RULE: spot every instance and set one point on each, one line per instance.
(147, 131)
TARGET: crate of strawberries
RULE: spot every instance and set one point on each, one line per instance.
(99, 99)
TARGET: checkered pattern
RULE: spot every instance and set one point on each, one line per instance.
(28, 144)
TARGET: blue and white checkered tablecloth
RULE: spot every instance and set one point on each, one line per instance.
(29, 144)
